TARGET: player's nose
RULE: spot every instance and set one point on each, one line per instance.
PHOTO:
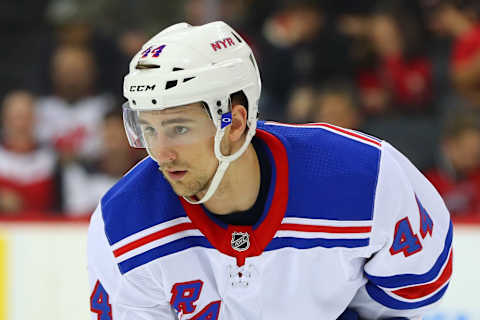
(161, 149)
(164, 154)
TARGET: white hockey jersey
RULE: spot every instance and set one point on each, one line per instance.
(349, 223)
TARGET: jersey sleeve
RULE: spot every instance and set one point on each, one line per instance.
(133, 296)
(410, 263)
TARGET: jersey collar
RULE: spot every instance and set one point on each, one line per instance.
(247, 241)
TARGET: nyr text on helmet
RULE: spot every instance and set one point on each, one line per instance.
(227, 42)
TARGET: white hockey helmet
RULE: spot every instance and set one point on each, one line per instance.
(184, 64)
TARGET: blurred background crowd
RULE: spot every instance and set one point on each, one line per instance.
(405, 71)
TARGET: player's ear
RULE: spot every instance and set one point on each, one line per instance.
(239, 122)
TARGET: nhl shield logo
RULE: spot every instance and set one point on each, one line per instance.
(240, 241)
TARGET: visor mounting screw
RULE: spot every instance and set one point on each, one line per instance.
(134, 102)
(154, 101)
(219, 103)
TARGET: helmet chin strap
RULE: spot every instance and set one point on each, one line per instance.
(223, 163)
(217, 178)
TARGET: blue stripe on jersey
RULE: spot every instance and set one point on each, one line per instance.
(164, 250)
(331, 176)
(381, 297)
(140, 200)
(301, 243)
(403, 280)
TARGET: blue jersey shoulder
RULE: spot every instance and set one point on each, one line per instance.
(333, 172)
(141, 199)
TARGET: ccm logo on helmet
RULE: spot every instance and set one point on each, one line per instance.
(142, 88)
(217, 45)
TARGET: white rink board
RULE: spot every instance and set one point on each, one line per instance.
(47, 272)
(47, 276)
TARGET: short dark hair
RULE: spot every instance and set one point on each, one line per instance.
(235, 98)
(239, 98)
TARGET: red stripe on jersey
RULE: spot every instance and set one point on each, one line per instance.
(417, 292)
(344, 131)
(152, 237)
(356, 135)
(326, 229)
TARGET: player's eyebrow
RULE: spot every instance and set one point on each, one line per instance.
(176, 121)
(168, 121)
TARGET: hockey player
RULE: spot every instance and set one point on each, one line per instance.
(234, 218)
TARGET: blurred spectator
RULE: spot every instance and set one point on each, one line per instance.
(75, 23)
(460, 19)
(116, 157)
(356, 27)
(299, 48)
(300, 104)
(70, 118)
(457, 175)
(394, 76)
(27, 170)
(337, 103)
(401, 80)
(85, 183)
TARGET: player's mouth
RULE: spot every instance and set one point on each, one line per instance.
(176, 174)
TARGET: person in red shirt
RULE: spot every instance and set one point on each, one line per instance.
(460, 19)
(457, 176)
(27, 171)
(401, 78)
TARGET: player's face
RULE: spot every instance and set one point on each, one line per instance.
(181, 141)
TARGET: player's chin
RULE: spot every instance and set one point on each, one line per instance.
(188, 190)
(183, 193)
(181, 190)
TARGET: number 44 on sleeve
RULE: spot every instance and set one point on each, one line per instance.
(405, 240)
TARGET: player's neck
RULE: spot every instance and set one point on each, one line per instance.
(239, 187)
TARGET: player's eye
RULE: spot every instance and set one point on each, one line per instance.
(148, 131)
(174, 132)
(179, 130)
